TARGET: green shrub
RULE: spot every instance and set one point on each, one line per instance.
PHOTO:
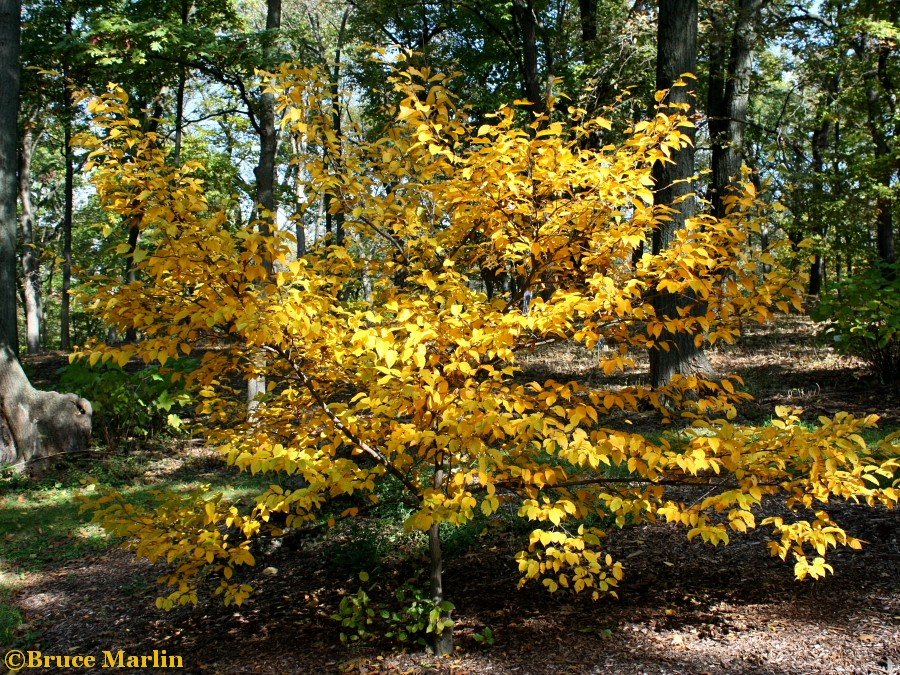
(862, 318)
(129, 403)
(409, 618)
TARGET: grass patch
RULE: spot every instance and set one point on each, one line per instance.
(41, 523)
(11, 619)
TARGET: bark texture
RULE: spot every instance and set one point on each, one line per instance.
(728, 110)
(527, 24)
(36, 426)
(677, 55)
(10, 18)
(31, 281)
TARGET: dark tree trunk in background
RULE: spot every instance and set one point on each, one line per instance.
(31, 275)
(179, 94)
(819, 144)
(717, 115)
(587, 13)
(728, 114)
(10, 17)
(880, 89)
(65, 330)
(268, 133)
(527, 24)
(334, 223)
(676, 55)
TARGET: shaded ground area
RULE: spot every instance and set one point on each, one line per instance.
(684, 607)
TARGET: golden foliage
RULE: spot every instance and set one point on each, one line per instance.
(419, 374)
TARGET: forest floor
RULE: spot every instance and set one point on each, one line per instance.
(684, 607)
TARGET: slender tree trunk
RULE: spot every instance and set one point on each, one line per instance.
(717, 114)
(179, 94)
(677, 54)
(819, 143)
(334, 223)
(879, 87)
(442, 643)
(31, 279)
(65, 311)
(265, 181)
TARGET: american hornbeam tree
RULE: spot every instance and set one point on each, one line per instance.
(417, 386)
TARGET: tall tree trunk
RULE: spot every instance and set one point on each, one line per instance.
(179, 94)
(334, 223)
(65, 311)
(31, 279)
(819, 144)
(265, 179)
(878, 88)
(730, 111)
(587, 14)
(717, 116)
(526, 21)
(676, 55)
(10, 17)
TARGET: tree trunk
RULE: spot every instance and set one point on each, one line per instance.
(65, 311)
(730, 111)
(31, 279)
(134, 233)
(442, 643)
(10, 17)
(677, 54)
(876, 82)
(265, 181)
(179, 94)
(820, 140)
(717, 114)
(526, 21)
(587, 14)
(36, 426)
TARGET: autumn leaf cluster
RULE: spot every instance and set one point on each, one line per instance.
(395, 354)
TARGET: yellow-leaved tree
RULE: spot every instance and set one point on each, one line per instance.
(394, 357)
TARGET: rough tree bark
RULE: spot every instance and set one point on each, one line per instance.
(10, 11)
(676, 55)
(729, 99)
(36, 426)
